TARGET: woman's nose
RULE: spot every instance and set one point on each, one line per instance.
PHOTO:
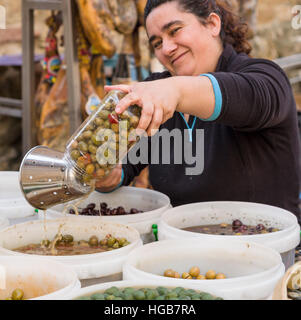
(168, 47)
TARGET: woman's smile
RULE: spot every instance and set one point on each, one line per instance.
(179, 58)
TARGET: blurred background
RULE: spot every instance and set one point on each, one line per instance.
(82, 45)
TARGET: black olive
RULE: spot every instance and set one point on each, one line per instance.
(121, 210)
(114, 212)
(103, 205)
(91, 206)
(71, 211)
(236, 223)
(260, 227)
(133, 211)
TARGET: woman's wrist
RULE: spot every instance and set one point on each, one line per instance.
(195, 95)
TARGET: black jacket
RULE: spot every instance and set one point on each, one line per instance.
(251, 152)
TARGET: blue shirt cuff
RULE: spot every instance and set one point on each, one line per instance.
(218, 97)
(118, 186)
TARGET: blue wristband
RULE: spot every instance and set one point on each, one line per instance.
(118, 186)
(218, 98)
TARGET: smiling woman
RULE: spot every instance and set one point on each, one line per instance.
(244, 106)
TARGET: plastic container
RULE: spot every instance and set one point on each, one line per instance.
(152, 203)
(13, 205)
(252, 270)
(284, 241)
(121, 284)
(3, 223)
(104, 139)
(49, 177)
(91, 267)
(39, 278)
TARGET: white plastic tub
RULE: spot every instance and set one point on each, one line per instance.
(122, 285)
(252, 270)
(3, 223)
(152, 203)
(39, 278)
(94, 267)
(204, 213)
(13, 205)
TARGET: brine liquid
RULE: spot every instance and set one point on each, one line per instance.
(59, 235)
(226, 229)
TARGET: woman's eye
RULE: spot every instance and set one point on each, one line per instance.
(157, 44)
(173, 32)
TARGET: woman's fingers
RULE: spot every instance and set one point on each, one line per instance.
(121, 87)
(147, 113)
(111, 180)
(130, 99)
(157, 120)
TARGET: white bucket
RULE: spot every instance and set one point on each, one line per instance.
(152, 203)
(13, 205)
(3, 223)
(39, 278)
(205, 213)
(89, 266)
(88, 291)
(252, 270)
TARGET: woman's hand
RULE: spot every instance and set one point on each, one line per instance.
(111, 181)
(158, 100)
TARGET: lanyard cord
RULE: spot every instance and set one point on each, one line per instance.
(187, 125)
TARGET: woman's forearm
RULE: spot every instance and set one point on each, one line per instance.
(195, 95)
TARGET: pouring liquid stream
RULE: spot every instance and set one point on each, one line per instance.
(75, 206)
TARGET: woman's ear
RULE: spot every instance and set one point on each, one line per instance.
(214, 23)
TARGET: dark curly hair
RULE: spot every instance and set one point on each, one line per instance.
(233, 30)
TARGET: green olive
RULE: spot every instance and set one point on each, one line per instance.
(95, 140)
(115, 127)
(111, 241)
(94, 159)
(106, 124)
(121, 241)
(87, 134)
(134, 120)
(126, 243)
(194, 271)
(83, 146)
(169, 273)
(80, 164)
(90, 126)
(93, 241)
(83, 243)
(98, 121)
(75, 154)
(90, 169)
(17, 294)
(103, 242)
(115, 245)
(103, 114)
(67, 238)
(92, 148)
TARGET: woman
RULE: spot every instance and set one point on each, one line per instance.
(245, 107)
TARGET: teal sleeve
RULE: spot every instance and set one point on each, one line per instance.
(218, 97)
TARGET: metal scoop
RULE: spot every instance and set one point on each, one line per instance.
(48, 178)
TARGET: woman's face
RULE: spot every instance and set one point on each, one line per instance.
(181, 42)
